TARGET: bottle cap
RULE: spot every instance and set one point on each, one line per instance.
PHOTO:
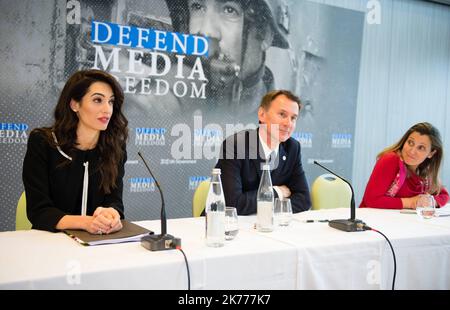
(216, 171)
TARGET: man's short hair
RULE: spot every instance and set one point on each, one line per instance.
(270, 96)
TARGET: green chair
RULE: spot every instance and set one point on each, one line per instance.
(22, 222)
(329, 192)
(199, 199)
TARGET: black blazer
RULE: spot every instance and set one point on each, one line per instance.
(241, 160)
(54, 189)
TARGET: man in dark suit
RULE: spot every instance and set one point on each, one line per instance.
(243, 154)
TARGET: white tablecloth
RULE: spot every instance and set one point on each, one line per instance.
(300, 256)
(332, 259)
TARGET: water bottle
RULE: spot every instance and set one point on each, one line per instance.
(215, 212)
(264, 202)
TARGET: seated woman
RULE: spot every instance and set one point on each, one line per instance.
(73, 170)
(407, 170)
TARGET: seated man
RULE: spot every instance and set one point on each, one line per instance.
(243, 154)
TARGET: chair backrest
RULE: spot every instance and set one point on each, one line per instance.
(199, 199)
(329, 192)
(22, 222)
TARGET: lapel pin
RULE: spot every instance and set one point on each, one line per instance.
(284, 157)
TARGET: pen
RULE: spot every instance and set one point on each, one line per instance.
(316, 221)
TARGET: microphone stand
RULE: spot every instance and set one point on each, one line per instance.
(352, 224)
(163, 241)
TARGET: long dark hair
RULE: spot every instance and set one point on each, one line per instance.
(112, 141)
(429, 168)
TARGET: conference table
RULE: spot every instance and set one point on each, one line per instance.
(303, 255)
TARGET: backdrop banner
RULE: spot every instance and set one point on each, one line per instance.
(193, 73)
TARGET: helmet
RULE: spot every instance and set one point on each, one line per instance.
(279, 19)
(275, 11)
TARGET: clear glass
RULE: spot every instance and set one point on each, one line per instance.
(215, 212)
(231, 223)
(283, 211)
(264, 202)
(425, 206)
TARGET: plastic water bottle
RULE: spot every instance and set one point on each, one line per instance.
(215, 212)
(265, 202)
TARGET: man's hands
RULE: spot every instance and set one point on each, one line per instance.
(285, 191)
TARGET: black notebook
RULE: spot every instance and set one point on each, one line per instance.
(129, 233)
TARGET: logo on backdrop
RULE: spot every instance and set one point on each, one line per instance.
(13, 133)
(132, 41)
(341, 140)
(194, 181)
(305, 138)
(150, 136)
(207, 137)
(141, 185)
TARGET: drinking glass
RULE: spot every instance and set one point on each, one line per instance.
(283, 211)
(231, 223)
(425, 206)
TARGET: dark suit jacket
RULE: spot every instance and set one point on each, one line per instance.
(241, 160)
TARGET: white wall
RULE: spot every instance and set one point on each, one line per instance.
(404, 78)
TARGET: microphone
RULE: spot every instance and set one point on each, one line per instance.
(351, 224)
(163, 241)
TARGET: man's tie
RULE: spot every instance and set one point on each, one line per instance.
(271, 160)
